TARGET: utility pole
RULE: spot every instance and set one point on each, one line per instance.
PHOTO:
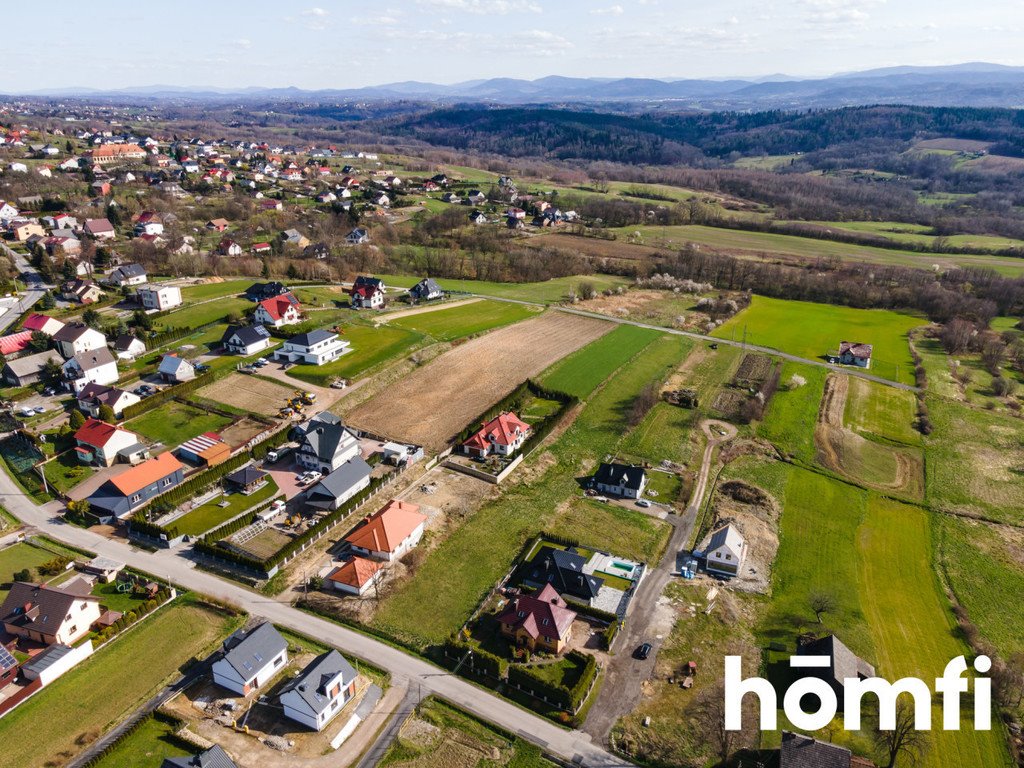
(744, 337)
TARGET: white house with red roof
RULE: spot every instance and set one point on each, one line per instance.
(355, 576)
(390, 532)
(43, 323)
(541, 621)
(855, 353)
(502, 435)
(278, 311)
(105, 444)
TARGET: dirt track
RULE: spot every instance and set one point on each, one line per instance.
(431, 405)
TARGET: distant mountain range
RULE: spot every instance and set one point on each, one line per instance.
(973, 84)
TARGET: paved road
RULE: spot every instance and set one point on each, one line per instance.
(36, 288)
(406, 670)
(624, 675)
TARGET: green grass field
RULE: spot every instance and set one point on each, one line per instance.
(814, 330)
(420, 612)
(66, 471)
(583, 371)
(789, 420)
(17, 557)
(623, 532)
(873, 409)
(370, 347)
(195, 316)
(758, 243)
(547, 292)
(194, 293)
(173, 423)
(97, 693)
(211, 514)
(919, 234)
(148, 745)
(465, 320)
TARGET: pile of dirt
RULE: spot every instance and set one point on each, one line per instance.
(755, 514)
(740, 491)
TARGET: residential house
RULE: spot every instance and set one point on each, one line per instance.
(314, 348)
(502, 435)
(100, 229)
(382, 200)
(149, 223)
(126, 274)
(96, 366)
(94, 396)
(245, 340)
(26, 228)
(158, 296)
(356, 576)
(205, 450)
(109, 154)
(28, 370)
(214, 757)
(18, 168)
(258, 249)
(260, 291)
(228, 247)
(843, 664)
(250, 659)
(294, 237)
(128, 347)
(318, 251)
(855, 353)
(565, 569)
(175, 370)
(217, 225)
(82, 291)
(477, 217)
(7, 212)
(539, 622)
(67, 245)
(101, 188)
(325, 443)
(271, 205)
(340, 485)
(247, 480)
(104, 445)
(317, 694)
(476, 197)
(426, 289)
(78, 337)
(278, 311)
(366, 297)
(9, 667)
(120, 496)
(357, 236)
(43, 324)
(390, 532)
(104, 569)
(14, 342)
(727, 551)
(451, 197)
(48, 615)
(799, 751)
(625, 480)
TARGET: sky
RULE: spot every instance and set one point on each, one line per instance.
(346, 44)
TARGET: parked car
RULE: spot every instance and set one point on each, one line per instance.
(313, 477)
(202, 367)
(27, 411)
(49, 391)
(644, 503)
(271, 457)
(643, 651)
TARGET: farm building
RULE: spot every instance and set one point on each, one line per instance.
(390, 532)
(541, 621)
(727, 551)
(28, 370)
(355, 576)
(250, 658)
(43, 323)
(842, 663)
(623, 480)
(15, 342)
(502, 435)
(245, 340)
(317, 694)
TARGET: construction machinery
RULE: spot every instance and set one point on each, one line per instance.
(306, 398)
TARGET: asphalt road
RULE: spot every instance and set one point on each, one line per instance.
(36, 289)
(408, 670)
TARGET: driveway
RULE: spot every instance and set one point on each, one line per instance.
(325, 396)
(284, 472)
(85, 488)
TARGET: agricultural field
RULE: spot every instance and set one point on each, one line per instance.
(417, 612)
(94, 695)
(211, 514)
(918, 234)
(814, 330)
(757, 244)
(371, 347)
(214, 290)
(250, 393)
(465, 320)
(173, 423)
(881, 412)
(788, 420)
(580, 373)
(548, 292)
(420, 409)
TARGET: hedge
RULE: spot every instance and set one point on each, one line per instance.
(608, 636)
(568, 699)
(133, 616)
(234, 526)
(161, 716)
(161, 397)
(484, 662)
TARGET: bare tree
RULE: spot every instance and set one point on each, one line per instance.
(904, 745)
(956, 335)
(708, 717)
(822, 602)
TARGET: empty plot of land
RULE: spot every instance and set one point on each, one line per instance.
(249, 393)
(431, 405)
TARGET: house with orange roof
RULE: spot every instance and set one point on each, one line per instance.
(355, 576)
(122, 494)
(390, 532)
(538, 622)
(278, 311)
(102, 444)
(106, 154)
(502, 435)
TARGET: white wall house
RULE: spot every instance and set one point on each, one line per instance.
(75, 338)
(313, 348)
(159, 297)
(315, 696)
(727, 551)
(250, 659)
(97, 366)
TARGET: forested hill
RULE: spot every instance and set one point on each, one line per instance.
(676, 138)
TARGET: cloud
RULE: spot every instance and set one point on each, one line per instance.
(317, 18)
(614, 10)
(243, 42)
(540, 42)
(316, 12)
(489, 7)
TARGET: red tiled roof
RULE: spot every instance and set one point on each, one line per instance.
(541, 614)
(277, 306)
(97, 433)
(385, 529)
(137, 478)
(356, 572)
(501, 430)
(855, 348)
(36, 322)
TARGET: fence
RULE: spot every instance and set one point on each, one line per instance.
(480, 474)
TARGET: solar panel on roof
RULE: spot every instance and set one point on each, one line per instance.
(6, 659)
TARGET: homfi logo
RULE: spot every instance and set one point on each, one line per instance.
(951, 686)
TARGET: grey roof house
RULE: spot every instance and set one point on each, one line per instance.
(320, 691)
(325, 443)
(250, 659)
(843, 663)
(620, 480)
(214, 757)
(341, 485)
(563, 569)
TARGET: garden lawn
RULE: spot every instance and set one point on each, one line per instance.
(66, 471)
(173, 423)
(789, 420)
(438, 599)
(370, 347)
(98, 693)
(611, 528)
(814, 330)
(202, 314)
(465, 320)
(148, 745)
(18, 557)
(546, 292)
(583, 371)
(211, 514)
(193, 293)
